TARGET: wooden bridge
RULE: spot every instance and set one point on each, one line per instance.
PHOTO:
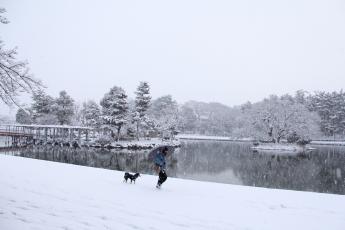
(15, 134)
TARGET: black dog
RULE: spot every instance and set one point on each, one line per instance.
(131, 177)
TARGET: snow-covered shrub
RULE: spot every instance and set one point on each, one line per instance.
(104, 140)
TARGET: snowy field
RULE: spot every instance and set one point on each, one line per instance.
(45, 195)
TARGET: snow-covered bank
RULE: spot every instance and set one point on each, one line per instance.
(132, 145)
(210, 138)
(282, 148)
(141, 144)
(221, 138)
(336, 143)
(39, 194)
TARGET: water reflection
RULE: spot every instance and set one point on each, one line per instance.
(322, 170)
(124, 160)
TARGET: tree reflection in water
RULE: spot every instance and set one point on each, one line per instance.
(124, 160)
(227, 162)
(322, 170)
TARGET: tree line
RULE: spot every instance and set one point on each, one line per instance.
(293, 118)
(120, 116)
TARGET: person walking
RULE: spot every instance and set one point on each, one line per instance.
(160, 165)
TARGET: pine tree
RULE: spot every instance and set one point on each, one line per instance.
(23, 117)
(142, 104)
(42, 105)
(331, 108)
(115, 109)
(90, 114)
(64, 108)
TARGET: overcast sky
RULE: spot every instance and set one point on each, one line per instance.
(224, 51)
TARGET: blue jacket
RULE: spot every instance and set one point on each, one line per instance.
(160, 160)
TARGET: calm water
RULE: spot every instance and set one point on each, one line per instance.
(322, 170)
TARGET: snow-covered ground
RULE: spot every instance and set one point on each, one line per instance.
(37, 194)
(282, 148)
(221, 138)
(151, 143)
(338, 143)
(211, 138)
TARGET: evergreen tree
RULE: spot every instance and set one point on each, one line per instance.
(23, 117)
(90, 114)
(115, 109)
(42, 105)
(142, 104)
(47, 119)
(64, 108)
(331, 108)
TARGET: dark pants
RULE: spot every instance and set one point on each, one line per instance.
(162, 177)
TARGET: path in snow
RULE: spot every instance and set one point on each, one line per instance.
(37, 194)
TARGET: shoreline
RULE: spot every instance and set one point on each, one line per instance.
(130, 145)
(222, 138)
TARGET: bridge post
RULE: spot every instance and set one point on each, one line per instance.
(79, 136)
(87, 135)
(46, 134)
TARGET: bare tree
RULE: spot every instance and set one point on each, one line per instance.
(14, 75)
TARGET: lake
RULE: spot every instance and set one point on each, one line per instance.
(322, 170)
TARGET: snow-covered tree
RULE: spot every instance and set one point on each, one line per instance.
(164, 112)
(302, 97)
(77, 115)
(64, 108)
(90, 114)
(42, 105)
(187, 120)
(207, 118)
(331, 108)
(23, 117)
(142, 104)
(115, 109)
(14, 74)
(276, 118)
(47, 119)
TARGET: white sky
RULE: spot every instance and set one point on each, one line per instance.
(224, 51)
